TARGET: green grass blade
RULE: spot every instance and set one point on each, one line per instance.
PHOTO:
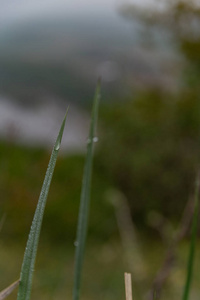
(192, 244)
(85, 199)
(33, 239)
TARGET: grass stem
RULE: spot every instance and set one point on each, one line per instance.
(28, 264)
(128, 286)
(85, 199)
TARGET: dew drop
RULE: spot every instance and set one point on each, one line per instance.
(57, 147)
(95, 139)
(76, 243)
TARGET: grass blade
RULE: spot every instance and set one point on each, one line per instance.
(85, 199)
(33, 239)
(6, 292)
(192, 243)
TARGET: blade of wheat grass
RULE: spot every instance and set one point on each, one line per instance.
(192, 243)
(85, 199)
(27, 269)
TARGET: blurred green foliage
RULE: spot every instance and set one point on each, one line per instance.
(21, 177)
(151, 141)
(150, 150)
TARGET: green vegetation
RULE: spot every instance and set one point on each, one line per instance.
(148, 157)
(85, 200)
(19, 195)
(157, 137)
(33, 239)
(148, 124)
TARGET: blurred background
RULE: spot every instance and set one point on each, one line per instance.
(147, 54)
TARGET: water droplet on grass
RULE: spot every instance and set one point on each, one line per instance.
(95, 140)
(57, 147)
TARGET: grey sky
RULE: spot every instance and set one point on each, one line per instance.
(19, 10)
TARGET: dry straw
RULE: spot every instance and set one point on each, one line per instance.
(128, 286)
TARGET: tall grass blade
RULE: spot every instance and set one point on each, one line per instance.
(33, 239)
(85, 199)
(192, 243)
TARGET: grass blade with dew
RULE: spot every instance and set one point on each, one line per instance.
(33, 239)
(85, 199)
(193, 242)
